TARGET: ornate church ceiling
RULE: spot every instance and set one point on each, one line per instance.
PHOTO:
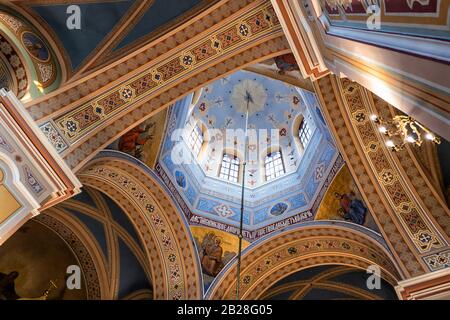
(274, 117)
(125, 66)
(108, 29)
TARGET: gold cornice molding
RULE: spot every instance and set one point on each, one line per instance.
(432, 286)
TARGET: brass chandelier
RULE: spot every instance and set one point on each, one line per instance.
(402, 130)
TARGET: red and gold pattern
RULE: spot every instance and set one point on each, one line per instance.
(422, 233)
(248, 28)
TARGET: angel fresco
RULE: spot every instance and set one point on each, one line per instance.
(351, 208)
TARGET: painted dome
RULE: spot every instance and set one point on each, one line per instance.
(204, 131)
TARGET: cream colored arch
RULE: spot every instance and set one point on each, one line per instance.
(168, 244)
(307, 245)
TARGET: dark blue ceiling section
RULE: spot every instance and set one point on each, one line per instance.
(86, 198)
(358, 279)
(96, 227)
(132, 275)
(282, 296)
(120, 217)
(158, 14)
(324, 294)
(97, 20)
(305, 274)
(355, 278)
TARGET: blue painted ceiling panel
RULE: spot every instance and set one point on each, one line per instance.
(97, 21)
(159, 13)
(132, 275)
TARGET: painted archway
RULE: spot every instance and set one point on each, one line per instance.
(307, 245)
(164, 232)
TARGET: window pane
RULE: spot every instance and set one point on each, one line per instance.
(195, 140)
(273, 165)
(304, 133)
(229, 169)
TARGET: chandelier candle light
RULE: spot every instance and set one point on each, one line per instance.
(402, 130)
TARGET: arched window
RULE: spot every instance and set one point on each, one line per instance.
(196, 140)
(273, 164)
(304, 133)
(229, 170)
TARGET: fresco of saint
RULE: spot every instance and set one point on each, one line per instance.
(133, 141)
(351, 208)
(211, 255)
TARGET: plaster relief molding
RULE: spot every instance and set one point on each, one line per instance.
(407, 71)
(438, 50)
(426, 106)
(432, 286)
(301, 38)
(20, 201)
(40, 175)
